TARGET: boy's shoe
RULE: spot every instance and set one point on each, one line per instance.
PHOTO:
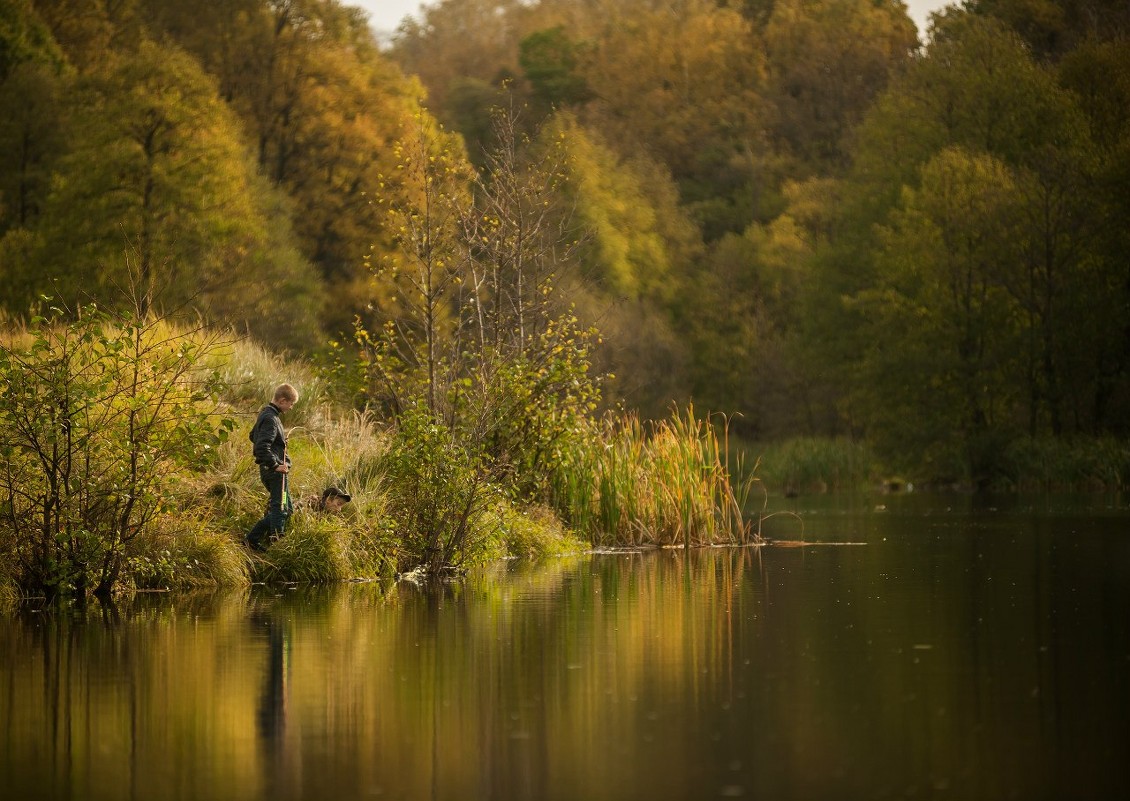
(254, 545)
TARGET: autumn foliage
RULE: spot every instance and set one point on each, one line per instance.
(802, 213)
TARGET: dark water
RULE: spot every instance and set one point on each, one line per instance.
(962, 651)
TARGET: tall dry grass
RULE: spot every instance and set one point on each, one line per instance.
(627, 482)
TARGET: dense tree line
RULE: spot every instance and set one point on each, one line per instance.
(222, 160)
(790, 209)
(917, 243)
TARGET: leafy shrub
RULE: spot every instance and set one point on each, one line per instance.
(435, 492)
(99, 418)
(520, 410)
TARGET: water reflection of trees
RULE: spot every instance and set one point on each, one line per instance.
(394, 683)
(754, 665)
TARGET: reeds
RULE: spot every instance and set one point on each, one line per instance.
(659, 484)
(1082, 463)
(9, 592)
(806, 465)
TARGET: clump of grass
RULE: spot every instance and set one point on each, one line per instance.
(533, 532)
(661, 484)
(185, 553)
(325, 548)
(312, 550)
(372, 546)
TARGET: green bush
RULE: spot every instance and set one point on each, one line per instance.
(521, 410)
(436, 491)
(100, 417)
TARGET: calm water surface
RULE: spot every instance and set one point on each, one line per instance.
(945, 649)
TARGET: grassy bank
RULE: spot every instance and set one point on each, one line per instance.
(416, 486)
(616, 482)
(329, 446)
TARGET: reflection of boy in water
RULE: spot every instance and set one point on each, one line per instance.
(271, 713)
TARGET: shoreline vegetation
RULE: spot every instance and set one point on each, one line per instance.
(500, 285)
(466, 421)
(611, 481)
(128, 469)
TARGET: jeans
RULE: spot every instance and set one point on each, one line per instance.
(279, 508)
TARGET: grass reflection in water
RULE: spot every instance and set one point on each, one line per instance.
(970, 655)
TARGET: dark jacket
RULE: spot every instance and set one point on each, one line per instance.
(269, 439)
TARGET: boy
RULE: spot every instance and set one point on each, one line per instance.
(332, 500)
(268, 439)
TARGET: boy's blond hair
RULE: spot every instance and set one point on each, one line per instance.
(286, 392)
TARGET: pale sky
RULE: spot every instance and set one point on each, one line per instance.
(919, 10)
(385, 15)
